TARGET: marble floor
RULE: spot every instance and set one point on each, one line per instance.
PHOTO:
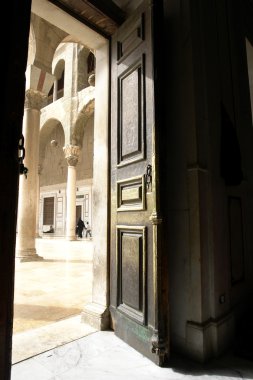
(51, 343)
(103, 356)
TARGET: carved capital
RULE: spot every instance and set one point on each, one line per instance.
(35, 99)
(72, 153)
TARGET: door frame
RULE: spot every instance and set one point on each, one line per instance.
(96, 313)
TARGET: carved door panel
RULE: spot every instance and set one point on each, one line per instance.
(135, 223)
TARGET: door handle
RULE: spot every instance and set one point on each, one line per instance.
(148, 178)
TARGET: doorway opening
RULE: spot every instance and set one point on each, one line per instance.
(72, 180)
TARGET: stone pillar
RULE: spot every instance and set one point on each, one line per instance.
(38, 84)
(71, 153)
(55, 93)
(38, 204)
(97, 313)
(28, 187)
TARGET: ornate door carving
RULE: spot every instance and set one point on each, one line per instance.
(135, 221)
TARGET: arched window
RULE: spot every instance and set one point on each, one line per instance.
(60, 86)
(91, 60)
(86, 67)
(57, 89)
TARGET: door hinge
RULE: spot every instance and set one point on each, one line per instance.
(148, 178)
(21, 156)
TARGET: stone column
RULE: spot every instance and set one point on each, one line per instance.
(38, 204)
(55, 93)
(71, 154)
(28, 187)
(38, 84)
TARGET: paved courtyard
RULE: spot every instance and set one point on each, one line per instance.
(50, 296)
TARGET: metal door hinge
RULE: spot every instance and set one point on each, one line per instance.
(21, 156)
(148, 178)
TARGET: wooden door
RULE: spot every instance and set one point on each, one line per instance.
(135, 221)
(78, 212)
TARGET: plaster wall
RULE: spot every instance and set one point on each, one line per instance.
(53, 165)
(84, 168)
(53, 168)
(58, 192)
(201, 73)
(66, 110)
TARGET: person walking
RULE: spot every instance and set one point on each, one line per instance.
(88, 229)
(79, 227)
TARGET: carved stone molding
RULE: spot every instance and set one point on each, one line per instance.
(72, 153)
(34, 99)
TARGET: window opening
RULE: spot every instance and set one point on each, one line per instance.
(91, 63)
(60, 86)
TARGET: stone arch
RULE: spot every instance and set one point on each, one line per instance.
(58, 67)
(82, 79)
(58, 72)
(52, 163)
(82, 119)
(47, 38)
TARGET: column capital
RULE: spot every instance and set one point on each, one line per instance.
(72, 153)
(35, 99)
